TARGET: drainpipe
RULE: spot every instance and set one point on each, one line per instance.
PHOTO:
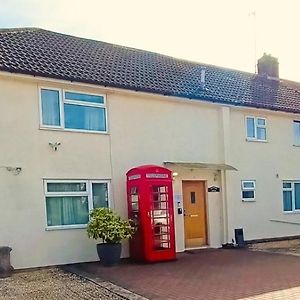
(224, 207)
(225, 137)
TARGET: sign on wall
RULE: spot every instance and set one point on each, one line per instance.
(213, 189)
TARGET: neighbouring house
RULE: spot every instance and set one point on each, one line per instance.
(77, 114)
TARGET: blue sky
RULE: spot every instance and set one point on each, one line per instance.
(217, 32)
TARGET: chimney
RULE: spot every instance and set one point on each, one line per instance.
(268, 65)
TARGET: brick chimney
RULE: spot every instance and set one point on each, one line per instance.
(268, 65)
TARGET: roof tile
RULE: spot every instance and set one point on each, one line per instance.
(49, 54)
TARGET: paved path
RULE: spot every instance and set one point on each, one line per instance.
(209, 275)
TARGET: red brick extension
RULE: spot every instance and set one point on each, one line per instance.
(206, 274)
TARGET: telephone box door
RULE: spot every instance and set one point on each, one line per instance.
(150, 204)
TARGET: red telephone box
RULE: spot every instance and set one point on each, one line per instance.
(150, 205)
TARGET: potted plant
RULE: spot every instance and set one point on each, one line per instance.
(106, 225)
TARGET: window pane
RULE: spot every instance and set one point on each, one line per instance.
(287, 201)
(193, 197)
(50, 107)
(250, 128)
(84, 97)
(297, 195)
(248, 184)
(287, 185)
(261, 121)
(297, 133)
(248, 194)
(261, 133)
(67, 210)
(100, 195)
(66, 187)
(84, 117)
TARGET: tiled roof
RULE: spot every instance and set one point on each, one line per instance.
(49, 54)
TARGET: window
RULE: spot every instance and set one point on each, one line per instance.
(72, 110)
(68, 202)
(291, 196)
(297, 133)
(256, 128)
(248, 190)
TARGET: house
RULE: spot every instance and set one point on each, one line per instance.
(77, 114)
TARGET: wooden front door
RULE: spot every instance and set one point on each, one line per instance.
(194, 213)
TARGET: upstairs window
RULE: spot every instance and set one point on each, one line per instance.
(256, 128)
(73, 111)
(297, 133)
(248, 190)
(291, 196)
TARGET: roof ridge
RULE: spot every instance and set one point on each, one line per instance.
(20, 29)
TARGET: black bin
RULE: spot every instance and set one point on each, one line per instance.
(239, 237)
(5, 266)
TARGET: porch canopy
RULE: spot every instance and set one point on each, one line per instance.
(199, 165)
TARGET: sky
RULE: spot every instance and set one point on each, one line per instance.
(218, 32)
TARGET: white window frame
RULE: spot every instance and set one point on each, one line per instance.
(296, 143)
(245, 189)
(63, 100)
(87, 193)
(256, 125)
(291, 189)
(61, 108)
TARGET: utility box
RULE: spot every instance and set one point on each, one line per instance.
(150, 206)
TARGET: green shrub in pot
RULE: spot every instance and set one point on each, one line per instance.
(109, 227)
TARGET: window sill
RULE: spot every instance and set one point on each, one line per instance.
(74, 130)
(294, 212)
(255, 140)
(66, 227)
(248, 200)
(296, 145)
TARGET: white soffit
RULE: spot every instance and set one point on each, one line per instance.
(199, 165)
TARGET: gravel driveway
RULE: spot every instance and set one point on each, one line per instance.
(51, 283)
(290, 247)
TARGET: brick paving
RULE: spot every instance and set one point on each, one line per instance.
(208, 274)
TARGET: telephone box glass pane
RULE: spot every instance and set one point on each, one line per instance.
(134, 199)
(160, 218)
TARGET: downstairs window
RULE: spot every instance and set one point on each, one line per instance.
(68, 202)
(291, 196)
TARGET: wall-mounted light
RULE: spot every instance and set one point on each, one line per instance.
(216, 176)
(174, 175)
(54, 146)
(13, 170)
